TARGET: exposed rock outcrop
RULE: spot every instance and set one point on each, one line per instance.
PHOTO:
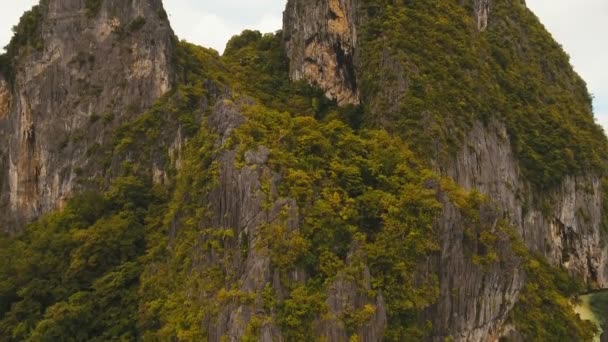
(475, 299)
(96, 67)
(4, 139)
(320, 40)
(482, 11)
(344, 296)
(567, 233)
(239, 203)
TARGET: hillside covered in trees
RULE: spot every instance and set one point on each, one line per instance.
(377, 170)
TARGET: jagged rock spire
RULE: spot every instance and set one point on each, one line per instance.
(109, 58)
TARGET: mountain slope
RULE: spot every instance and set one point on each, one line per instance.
(408, 194)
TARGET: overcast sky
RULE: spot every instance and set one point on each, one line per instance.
(580, 26)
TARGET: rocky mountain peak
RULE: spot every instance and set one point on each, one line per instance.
(321, 42)
(406, 61)
(453, 190)
(72, 62)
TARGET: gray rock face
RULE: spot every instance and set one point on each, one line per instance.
(475, 299)
(5, 99)
(94, 71)
(567, 234)
(239, 203)
(343, 296)
(320, 39)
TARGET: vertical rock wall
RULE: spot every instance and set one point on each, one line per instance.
(96, 68)
(320, 40)
(568, 233)
(238, 203)
(475, 299)
(5, 100)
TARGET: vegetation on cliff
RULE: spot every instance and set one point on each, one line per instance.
(368, 202)
(141, 260)
(448, 75)
(599, 306)
(544, 311)
(26, 37)
(74, 274)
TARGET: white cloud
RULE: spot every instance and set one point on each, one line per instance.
(602, 119)
(208, 29)
(213, 30)
(269, 23)
(9, 17)
(213, 24)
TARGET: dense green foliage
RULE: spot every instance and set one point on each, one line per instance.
(26, 34)
(93, 7)
(449, 75)
(260, 70)
(599, 306)
(73, 275)
(353, 191)
(545, 310)
(361, 193)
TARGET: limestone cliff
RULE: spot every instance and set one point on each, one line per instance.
(320, 39)
(568, 232)
(410, 189)
(246, 201)
(95, 65)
